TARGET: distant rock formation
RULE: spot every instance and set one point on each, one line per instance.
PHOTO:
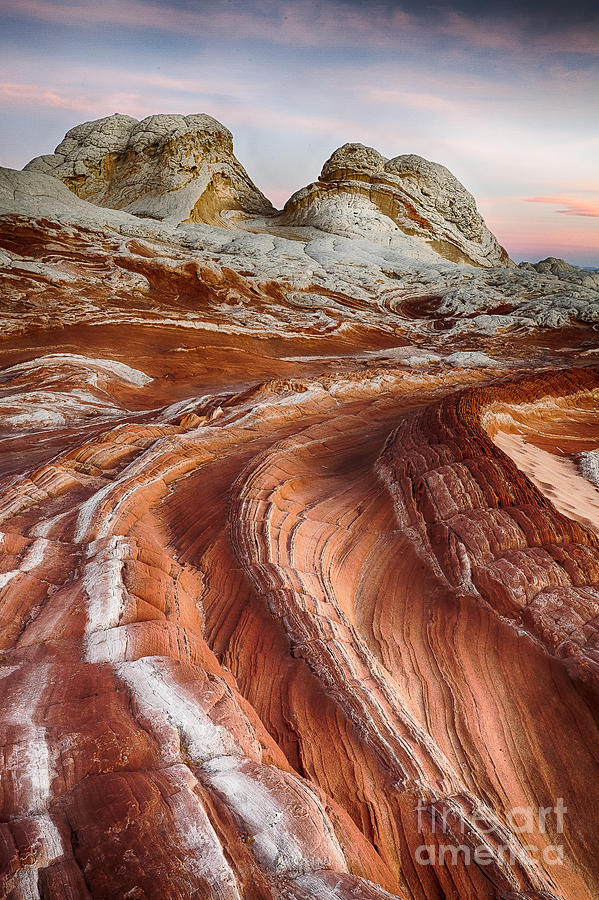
(360, 192)
(176, 168)
(182, 169)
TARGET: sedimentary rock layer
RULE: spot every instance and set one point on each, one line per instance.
(279, 617)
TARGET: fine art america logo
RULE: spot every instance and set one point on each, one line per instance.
(521, 820)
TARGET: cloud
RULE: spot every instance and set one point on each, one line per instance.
(412, 99)
(320, 23)
(40, 96)
(311, 23)
(14, 94)
(521, 34)
(480, 32)
(571, 206)
(139, 101)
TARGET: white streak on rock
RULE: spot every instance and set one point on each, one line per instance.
(28, 768)
(6, 577)
(103, 583)
(108, 366)
(35, 555)
(196, 834)
(169, 704)
(87, 510)
(282, 840)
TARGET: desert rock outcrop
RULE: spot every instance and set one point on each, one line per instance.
(166, 167)
(407, 200)
(298, 599)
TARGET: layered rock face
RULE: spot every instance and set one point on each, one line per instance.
(166, 166)
(299, 564)
(407, 200)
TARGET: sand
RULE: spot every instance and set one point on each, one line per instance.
(556, 476)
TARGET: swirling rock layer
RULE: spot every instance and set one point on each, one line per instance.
(295, 600)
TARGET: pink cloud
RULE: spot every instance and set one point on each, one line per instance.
(138, 102)
(34, 94)
(573, 40)
(571, 206)
(412, 99)
(480, 33)
(39, 96)
(312, 23)
(513, 36)
(109, 12)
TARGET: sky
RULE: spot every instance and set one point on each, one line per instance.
(504, 95)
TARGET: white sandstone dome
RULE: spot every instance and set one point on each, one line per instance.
(408, 202)
(166, 167)
(352, 158)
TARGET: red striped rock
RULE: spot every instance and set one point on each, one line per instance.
(299, 583)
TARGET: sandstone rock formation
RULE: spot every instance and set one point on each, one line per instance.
(181, 168)
(299, 562)
(166, 166)
(406, 200)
